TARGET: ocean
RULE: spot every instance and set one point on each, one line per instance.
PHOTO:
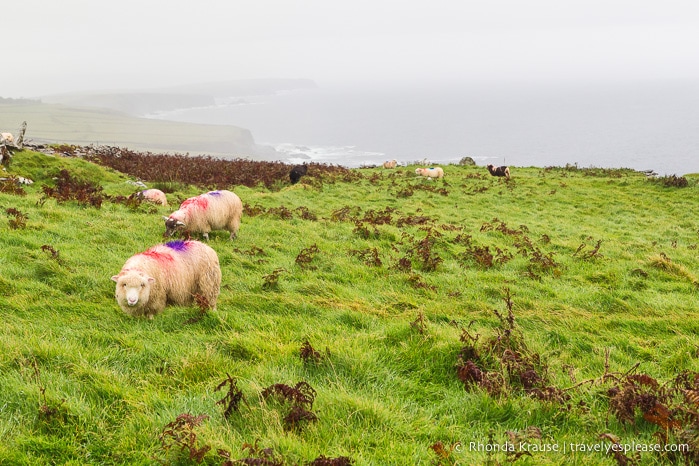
(641, 125)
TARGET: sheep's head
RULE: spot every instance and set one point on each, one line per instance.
(419, 171)
(132, 288)
(172, 225)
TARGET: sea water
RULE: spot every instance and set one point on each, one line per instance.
(640, 125)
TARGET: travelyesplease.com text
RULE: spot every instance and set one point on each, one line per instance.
(569, 447)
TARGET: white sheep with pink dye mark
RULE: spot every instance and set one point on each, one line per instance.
(432, 172)
(153, 195)
(215, 210)
(170, 273)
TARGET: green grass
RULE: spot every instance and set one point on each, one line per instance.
(385, 391)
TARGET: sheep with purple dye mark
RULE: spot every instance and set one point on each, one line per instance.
(499, 171)
(432, 172)
(170, 273)
(215, 210)
(155, 196)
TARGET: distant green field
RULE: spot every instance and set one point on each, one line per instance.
(446, 320)
(54, 123)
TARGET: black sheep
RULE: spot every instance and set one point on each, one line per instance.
(297, 172)
(499, 171)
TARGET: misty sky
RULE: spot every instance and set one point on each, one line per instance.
(52, 46)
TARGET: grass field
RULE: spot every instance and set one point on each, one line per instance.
(83, 126)
(433, 320)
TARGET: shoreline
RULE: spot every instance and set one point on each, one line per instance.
(57, 124)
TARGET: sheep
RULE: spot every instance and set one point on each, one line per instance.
(297, 172)
(390, 164)
(215, 210)
(171, 273)
(433, 172)
(153, 195)
(7, 138)
(499, 171)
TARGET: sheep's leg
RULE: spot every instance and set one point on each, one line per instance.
(210, 286)
(155, 306)
(233, 227)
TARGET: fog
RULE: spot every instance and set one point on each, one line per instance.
(77, 45)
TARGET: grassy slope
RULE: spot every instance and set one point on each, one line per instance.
(84, 126)
(385, 392)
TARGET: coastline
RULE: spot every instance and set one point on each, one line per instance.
(60, 124)
(642, 127)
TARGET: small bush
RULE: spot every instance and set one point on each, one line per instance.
(69, 188)
(233, 396)
(271, 280)
(12, 186)
(179, 436)
(671, 181)
(305, 257)
(18, 219)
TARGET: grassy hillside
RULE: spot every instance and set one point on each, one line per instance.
(132, 103)
(75, 125)
(556, 309)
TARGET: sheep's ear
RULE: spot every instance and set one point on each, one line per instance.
(180, 224)
(166, 218)
(151, 280)
(115, 278)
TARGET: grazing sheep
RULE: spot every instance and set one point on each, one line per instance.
(434, 172)
(499, 171)
(390, 164)
(170, 273)
(7, 138)
(155, 196)
(297, 172)
(215, 210)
